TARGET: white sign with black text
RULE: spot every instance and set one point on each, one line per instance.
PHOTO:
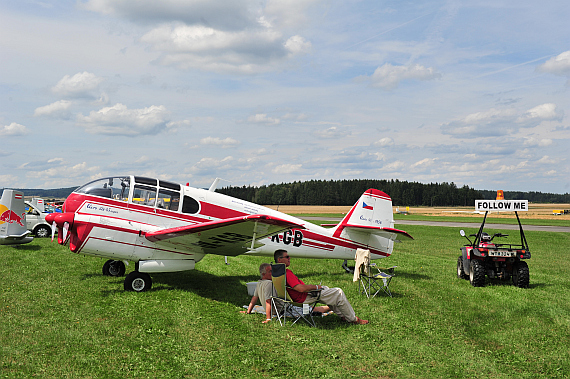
(501, 205)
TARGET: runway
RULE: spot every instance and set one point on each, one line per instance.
(472, 225)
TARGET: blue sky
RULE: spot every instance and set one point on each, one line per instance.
(260, 92)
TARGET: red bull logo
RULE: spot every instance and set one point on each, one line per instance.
(11, 217)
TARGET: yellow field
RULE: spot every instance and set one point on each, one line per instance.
(536, 211)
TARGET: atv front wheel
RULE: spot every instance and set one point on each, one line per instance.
(460, 271)
(477, 273)
(521, 276)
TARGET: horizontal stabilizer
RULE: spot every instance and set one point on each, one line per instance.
(389, 233)
(232, 236)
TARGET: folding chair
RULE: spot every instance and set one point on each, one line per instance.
(371, 281)
(282, 305)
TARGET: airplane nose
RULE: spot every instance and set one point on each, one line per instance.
(50, 217)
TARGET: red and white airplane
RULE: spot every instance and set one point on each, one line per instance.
(165, 227)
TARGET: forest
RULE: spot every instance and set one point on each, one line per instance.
(403, 193)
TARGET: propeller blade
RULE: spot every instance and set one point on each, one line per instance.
(65, 229)
(53, 227)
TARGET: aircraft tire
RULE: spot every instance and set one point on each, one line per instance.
(42, 231)
(138, 282)
(114, 268)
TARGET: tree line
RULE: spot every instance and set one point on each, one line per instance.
(347, 192)
(403, 193)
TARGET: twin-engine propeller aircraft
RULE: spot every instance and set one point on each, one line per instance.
(165, 227)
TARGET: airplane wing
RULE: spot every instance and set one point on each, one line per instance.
(390, 233)
(231, 236)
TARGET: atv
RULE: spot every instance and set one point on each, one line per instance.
(503, 261)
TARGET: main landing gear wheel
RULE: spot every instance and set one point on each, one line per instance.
(114, 268)
(477, 273)
(521, 276)
(138, 282)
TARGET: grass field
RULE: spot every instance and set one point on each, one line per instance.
(60, 318)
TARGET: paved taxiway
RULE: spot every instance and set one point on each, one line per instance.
(474, 225)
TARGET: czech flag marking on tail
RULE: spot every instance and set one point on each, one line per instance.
(366, 206)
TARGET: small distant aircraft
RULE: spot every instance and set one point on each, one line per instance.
(13, 219)
(166, 227)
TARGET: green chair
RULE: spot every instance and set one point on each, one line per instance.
(282, 305)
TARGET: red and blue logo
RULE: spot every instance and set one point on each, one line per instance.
(366, 206)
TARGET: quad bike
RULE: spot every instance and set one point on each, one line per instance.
(496, 260)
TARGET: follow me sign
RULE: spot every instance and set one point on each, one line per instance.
(501, 205)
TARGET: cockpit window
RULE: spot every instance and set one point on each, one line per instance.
(168, 199)
(144, 195)
(190, 205)
(116, 188)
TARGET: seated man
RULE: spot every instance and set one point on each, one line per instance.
(263, 291)
(300, 292)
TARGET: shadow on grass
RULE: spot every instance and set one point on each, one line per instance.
(228, 289)
(225, 289)
(26, 247)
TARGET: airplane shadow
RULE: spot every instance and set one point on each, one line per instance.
(228, 289)
(26, 247)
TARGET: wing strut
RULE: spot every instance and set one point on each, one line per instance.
(254, 235)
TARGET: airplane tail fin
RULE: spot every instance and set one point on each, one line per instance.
(370, 222)
(13, 218)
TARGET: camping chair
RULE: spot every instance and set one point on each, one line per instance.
(282, 305)
(370, 277)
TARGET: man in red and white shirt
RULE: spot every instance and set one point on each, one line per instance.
(301, 292)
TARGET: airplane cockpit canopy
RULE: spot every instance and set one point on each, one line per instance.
(113, 188)
(146, 191)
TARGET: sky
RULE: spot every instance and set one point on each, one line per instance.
(274, 91)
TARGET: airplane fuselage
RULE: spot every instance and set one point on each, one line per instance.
(115, 227)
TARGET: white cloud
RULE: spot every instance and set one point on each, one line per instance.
(57, 109)
(287, 168)
(226, 142)
(215, 35)
(79, 85)
(13, 130)
(331, 133)
(384, 142)
(500, 122)
(209, 165)
(247, 51)
(423, 164)
(297, 45)
(119, 120)
(531, 141)
(548, 160)
(544, 112)
(261, 118)
(220, 14)
(389, 77)
(559, 65)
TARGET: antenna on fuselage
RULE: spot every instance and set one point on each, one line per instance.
(215, 184)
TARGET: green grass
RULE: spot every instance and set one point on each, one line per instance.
(60, 318)
(479, 219)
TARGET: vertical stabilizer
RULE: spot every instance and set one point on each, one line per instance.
(13, 218)
(374, 208)
(366, 221)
